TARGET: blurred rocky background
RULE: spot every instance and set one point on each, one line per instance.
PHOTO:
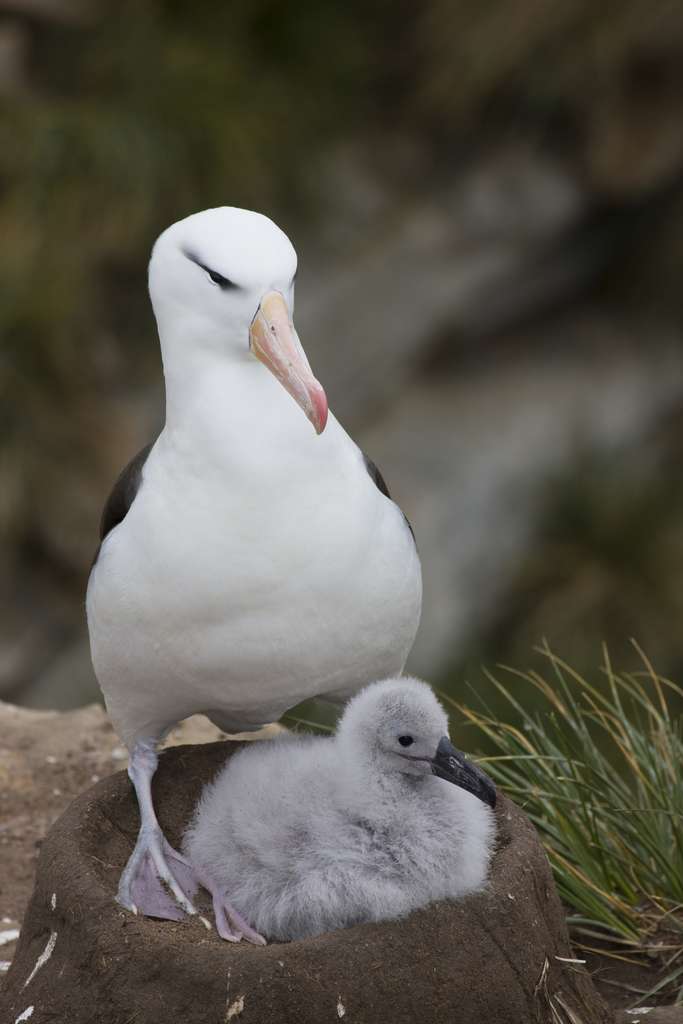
(487, 202)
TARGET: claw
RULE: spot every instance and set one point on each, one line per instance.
(153, 884)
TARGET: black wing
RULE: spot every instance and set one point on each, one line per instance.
(122, 495)
(381, 485)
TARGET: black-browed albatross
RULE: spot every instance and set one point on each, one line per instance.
(247, 561)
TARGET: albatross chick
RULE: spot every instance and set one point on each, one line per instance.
(306, 834)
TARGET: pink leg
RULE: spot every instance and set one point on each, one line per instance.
(157, 880)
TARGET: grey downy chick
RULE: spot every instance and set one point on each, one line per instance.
(308, 834)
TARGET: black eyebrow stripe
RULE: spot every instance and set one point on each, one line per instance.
(207, 270)
(193, 259)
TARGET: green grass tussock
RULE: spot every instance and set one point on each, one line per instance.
(599, 772)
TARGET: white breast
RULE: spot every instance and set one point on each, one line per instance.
(241, 592)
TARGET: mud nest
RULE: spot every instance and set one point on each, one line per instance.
(499, 957)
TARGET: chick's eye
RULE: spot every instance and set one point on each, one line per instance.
(405, 741)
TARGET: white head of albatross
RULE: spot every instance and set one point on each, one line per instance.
(222, 287)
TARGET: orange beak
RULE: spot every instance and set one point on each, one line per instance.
(275, 343)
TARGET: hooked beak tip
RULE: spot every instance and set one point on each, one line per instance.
(450, 764)
(320, 409)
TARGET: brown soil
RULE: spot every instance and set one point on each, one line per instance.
(46, 759)
(623, 977)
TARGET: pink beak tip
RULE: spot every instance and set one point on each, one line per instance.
(320, 409)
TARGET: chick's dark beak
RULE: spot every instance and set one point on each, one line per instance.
(450, 764)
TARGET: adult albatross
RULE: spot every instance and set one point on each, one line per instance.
(251, 557)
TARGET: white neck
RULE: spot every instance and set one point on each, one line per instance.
(234, 408)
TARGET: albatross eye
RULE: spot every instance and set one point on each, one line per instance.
(222, 282)
(216, 278)
(405, 741)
